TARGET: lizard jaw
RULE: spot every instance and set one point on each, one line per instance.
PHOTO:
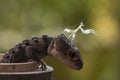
(77, 65)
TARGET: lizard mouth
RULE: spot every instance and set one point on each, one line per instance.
(77, 65)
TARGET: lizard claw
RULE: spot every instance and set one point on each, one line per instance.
(41, 66)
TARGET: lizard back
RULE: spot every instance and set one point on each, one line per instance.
(33, 49)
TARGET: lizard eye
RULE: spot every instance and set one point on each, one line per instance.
(73, 56)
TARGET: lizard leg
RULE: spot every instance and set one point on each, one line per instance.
(42, 65)
(32, 53)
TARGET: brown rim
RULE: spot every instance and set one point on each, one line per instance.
(17, 63)
(48, 70)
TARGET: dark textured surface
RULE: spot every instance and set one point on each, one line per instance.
(33, 49)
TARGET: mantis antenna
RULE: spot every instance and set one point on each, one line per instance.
(72, 33)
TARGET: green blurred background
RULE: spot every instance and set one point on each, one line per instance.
(22, 19)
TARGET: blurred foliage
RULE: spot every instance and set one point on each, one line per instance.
(22, 19)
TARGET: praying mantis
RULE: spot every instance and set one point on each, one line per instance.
(73, 32)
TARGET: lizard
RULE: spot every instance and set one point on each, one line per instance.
(36, 49)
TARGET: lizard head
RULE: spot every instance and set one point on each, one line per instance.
(66, 52)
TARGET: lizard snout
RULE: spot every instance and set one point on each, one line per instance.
(78, 65)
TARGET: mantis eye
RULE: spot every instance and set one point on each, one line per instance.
(72, 55)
